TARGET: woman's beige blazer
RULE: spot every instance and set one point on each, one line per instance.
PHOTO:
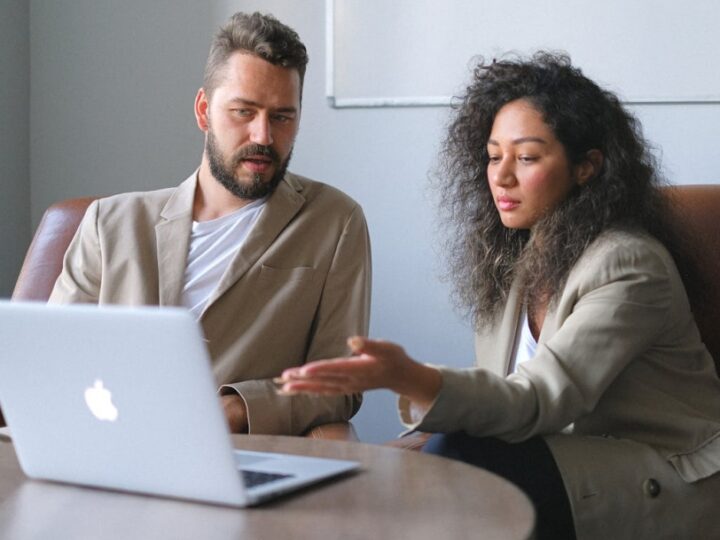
(621, 387)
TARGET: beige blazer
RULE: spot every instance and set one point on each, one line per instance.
(297, 288)
(621, 387)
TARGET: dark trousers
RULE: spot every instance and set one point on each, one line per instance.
(529, 465)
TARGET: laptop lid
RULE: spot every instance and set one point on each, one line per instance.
(120, 398)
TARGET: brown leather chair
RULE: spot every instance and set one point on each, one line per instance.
(43, 263)
(696, 215)
(44, 258)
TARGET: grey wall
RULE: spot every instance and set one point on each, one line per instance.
(14, 139)
(113, 85)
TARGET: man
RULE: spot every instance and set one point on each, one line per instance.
(275, 266)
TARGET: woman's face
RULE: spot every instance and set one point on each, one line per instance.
(528, 169)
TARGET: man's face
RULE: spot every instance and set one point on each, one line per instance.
(252, 120)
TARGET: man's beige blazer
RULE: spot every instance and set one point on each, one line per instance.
(297, 288)
(621, 387)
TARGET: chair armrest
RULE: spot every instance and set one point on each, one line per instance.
(337, 431)
(414, 441)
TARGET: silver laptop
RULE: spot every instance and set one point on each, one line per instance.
(124, 398)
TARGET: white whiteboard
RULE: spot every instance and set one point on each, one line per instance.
(420, 52)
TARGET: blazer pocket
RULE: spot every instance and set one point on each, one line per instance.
(272, 275)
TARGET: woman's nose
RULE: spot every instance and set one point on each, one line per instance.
(502, 173)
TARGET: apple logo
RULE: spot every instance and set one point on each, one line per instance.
(99, 401)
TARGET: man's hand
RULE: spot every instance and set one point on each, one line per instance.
(235, 412)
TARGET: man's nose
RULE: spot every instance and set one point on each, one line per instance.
(261, 130)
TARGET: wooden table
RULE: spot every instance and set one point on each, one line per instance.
(398, 494)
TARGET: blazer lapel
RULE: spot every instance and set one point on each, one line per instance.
(172, 235)
(281, 207)
(494, 348)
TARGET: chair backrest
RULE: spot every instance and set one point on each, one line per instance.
(44, 258)
(696, 214)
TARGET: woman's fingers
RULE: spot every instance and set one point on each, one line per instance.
(344, 376)
(316, 387)
(374, 347)
(340, 366)
(332, 384)
(374, 365)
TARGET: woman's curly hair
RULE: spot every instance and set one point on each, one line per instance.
(484, 256)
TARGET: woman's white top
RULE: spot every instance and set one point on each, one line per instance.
(525, 344)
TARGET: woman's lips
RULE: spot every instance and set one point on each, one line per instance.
(506, 203)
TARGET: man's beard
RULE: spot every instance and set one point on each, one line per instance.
(256, 188)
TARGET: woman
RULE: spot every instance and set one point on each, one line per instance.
(592, 391)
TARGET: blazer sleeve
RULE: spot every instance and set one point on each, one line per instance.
(616, 303)
(343, 311)
(81, 275)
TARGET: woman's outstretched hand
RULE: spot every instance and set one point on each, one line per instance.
(374, 364)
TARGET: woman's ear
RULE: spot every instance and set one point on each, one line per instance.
(589, 167)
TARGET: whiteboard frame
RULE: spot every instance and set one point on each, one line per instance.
(339, 102)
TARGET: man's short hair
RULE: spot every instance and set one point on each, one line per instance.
(259, 35)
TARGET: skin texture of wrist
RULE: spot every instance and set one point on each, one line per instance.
(418, 383)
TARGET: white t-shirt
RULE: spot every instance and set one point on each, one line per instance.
(213, 244)
(525, 345)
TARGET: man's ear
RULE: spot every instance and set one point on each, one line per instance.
(589, 167)
(202, 106)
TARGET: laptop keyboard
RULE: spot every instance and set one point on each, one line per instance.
(256, 478)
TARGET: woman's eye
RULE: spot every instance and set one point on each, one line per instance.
(527, 159)
(494, 159)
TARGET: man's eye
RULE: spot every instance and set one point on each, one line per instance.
(281, 118)
(242, 112)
